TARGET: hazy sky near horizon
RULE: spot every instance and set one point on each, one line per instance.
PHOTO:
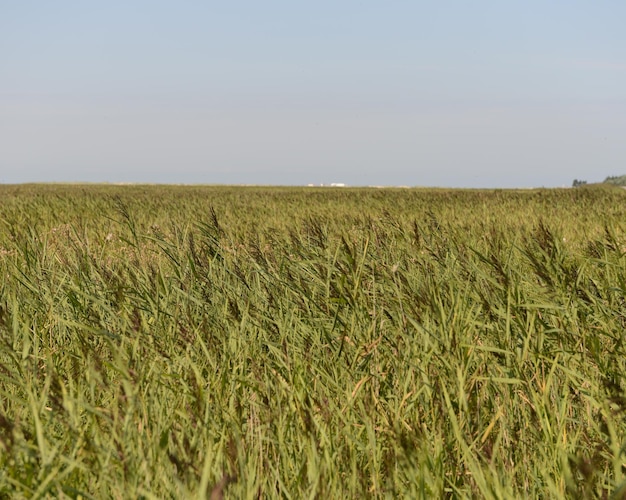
(458, 93)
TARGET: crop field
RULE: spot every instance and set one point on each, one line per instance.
(248, 342)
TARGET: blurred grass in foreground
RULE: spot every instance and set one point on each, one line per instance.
(164, 341)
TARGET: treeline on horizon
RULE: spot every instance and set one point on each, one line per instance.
(614, 180)
(617, 180)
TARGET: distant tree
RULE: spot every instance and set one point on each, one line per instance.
(578, 183)
(617, 180)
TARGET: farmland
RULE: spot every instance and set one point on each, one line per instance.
(193, 342)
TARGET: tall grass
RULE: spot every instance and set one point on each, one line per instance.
(198, 342)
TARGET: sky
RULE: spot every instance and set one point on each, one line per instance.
(362, 92)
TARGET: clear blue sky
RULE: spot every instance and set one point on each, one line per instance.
(456, 93)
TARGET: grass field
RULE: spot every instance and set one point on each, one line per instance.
(194, 342)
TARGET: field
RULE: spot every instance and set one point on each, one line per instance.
(200, 342)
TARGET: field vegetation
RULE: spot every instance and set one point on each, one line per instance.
(200, 342)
